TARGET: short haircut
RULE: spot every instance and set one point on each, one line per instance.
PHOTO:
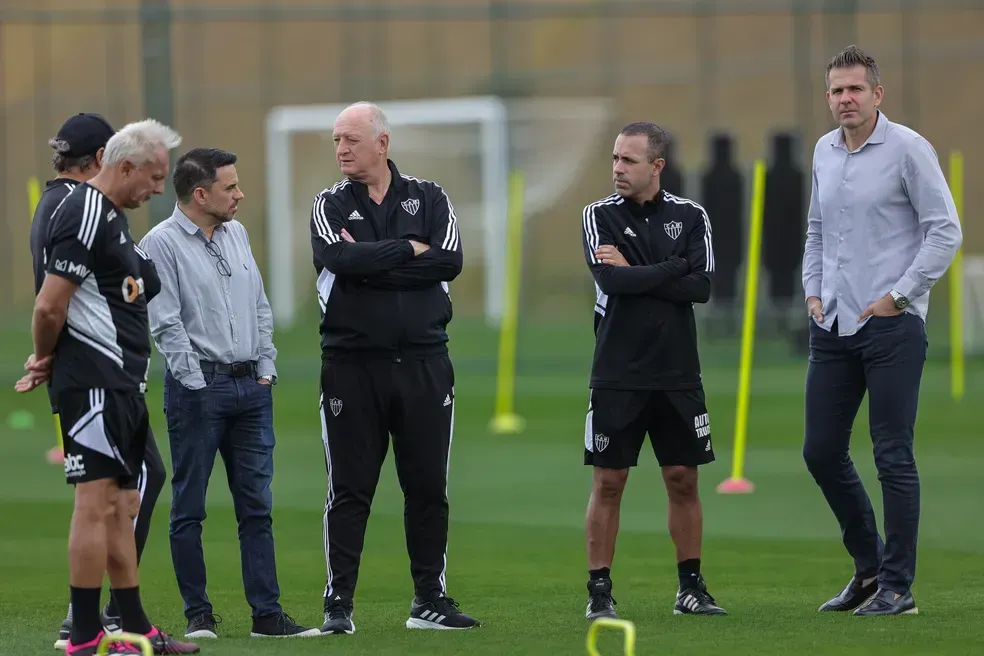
(377, 118)
(136, 142)
(850, 57)
(198, 168)
(63, 163)
(658, 139)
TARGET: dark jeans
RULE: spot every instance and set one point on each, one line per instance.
(885, 358)
(234, 417)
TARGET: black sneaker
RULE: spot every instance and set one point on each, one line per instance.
(696, 600)
(338, 616)
(438, 612)
(600, 601)
(111, 623)
(855, 594)
(63, 634)
(203, 626)
(887, 602)
(280, 626)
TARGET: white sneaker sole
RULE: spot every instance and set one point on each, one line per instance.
(60, 645)
(202, 633)
(417, 623)
(310, 633)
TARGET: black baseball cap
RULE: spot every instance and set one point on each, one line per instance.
(85, 134)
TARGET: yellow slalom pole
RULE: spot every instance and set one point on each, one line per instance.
(956, 286)
(33, 195)
(505, 419)
(737, 484)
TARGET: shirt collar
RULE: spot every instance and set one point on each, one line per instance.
(877, 136)
(648, 207)
(187, 224)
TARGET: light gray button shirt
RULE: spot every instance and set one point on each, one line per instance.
(201, 314)
(880, 218)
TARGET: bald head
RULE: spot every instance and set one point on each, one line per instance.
(361, 138)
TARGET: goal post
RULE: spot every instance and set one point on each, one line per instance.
(490, 115)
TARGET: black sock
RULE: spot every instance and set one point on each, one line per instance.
(689, 572)
(603, 573)
(85, 615)
(112, 608)
(132, 615)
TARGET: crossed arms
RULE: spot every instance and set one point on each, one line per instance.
(678, 279)
(397, 264)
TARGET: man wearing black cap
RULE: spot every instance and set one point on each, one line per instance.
(78, 148)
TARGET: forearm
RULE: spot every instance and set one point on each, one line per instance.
(691, 288)
(267, 351)
(429, 268)
(931, 262)
(362, 258)
(46, 326)
(813, 266)
(181, 359)
(639, 279)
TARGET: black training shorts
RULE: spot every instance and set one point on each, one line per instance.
(105, 435)
(618, 420)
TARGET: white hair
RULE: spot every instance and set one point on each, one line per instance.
(377, 118)
(136, 142)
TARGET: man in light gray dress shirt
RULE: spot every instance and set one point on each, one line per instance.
(882, 229)
(213, 324)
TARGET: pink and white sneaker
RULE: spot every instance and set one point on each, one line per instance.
(90, 648)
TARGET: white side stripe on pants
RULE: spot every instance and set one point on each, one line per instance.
(329, 498)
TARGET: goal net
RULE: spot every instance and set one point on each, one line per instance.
(468, 145)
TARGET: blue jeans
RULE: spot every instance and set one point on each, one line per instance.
(234, 417)
(885, 359)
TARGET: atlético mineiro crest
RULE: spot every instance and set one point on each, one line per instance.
(601, 441)
(673, 229)
(335, 405)
(411, 205)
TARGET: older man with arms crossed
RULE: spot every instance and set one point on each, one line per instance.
(385, 247)
(213, 324)
(882, 229)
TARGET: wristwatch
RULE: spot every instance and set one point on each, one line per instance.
(900, 301)
(268, 378)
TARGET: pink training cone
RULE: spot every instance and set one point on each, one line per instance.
(55, 455)
(736, 486)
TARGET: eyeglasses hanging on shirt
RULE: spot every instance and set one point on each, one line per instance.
(220, 262)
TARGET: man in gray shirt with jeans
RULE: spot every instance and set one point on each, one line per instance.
(882, 229)
(213, 324)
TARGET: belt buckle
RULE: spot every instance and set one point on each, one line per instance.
(240, 369)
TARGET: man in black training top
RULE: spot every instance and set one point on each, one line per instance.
(79, 147)
(651, 257)
(385, 246)
(91, 339)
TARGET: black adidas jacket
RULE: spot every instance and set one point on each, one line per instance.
(645, 333)
(376, 297)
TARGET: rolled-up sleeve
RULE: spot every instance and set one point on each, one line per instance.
(930, 196)
(164, 314)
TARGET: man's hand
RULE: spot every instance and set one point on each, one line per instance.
(883, 307)
(347, 237)
(39, 371)
(814, 307)
(419, 247)
(608, 254)
(263, 381)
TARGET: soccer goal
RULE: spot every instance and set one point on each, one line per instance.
(468, 145)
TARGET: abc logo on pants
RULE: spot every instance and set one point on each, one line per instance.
(74, 466)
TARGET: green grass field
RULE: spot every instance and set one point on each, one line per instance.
(516, 556)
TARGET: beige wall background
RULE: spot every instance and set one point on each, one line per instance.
(694, 67)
